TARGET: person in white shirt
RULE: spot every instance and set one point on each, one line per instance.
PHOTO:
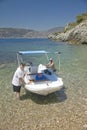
(18, 79)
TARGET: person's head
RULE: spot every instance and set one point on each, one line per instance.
(50, 59)
(22, 65)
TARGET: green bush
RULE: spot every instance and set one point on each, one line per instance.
(79, 19)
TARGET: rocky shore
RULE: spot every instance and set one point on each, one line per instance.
(76, 35)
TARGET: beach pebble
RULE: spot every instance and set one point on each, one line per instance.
(85, 126)
(85, 112)
(85, 99)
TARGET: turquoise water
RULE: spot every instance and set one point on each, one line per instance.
(62, 110)
(72, 56)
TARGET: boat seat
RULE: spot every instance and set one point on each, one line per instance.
(31, 72)
(32, 69)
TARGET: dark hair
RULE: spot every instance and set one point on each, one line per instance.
(23, 64)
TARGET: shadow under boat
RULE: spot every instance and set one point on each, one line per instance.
(56, 97)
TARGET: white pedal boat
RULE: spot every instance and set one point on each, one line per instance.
(49, 84)
(44, 87)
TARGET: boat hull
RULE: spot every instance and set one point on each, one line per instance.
(44, 87)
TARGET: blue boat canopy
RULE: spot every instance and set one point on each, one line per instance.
(33, 52)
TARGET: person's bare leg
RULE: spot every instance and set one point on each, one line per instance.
(17, 95)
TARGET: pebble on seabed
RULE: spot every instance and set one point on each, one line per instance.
(85, 126)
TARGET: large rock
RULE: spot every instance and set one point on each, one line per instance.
(78, 34)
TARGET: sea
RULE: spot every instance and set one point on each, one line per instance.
(72, 57)
(62, 110)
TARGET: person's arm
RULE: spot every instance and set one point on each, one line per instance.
(51, 65)
(48, 65)
(22, 80)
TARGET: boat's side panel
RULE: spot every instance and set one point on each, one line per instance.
(44, 88)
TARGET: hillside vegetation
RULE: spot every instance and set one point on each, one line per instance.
(75, 32)
(79, 19)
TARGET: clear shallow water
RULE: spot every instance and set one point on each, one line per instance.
(72, 56)
(63, 110)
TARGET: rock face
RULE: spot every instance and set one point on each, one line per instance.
(77, 35)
